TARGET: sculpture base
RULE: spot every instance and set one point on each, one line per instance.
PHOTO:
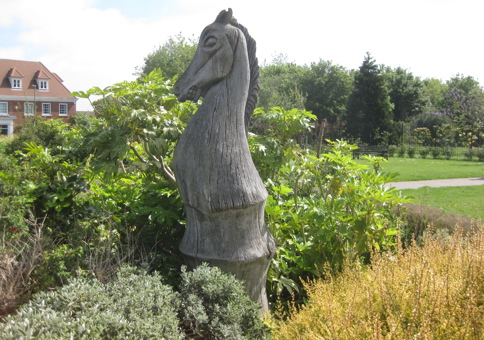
(237, 241)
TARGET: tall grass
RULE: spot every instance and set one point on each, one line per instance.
(24, 263)
(19, 259)
(434, 291)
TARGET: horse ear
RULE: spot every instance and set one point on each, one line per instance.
(224, 17)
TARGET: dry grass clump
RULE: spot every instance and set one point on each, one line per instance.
(19, 258)
(435, 291)
(25, 265)
(418, 216)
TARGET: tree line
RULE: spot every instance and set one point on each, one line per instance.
(367, 105)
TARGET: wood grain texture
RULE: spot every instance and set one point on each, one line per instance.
(223, 193)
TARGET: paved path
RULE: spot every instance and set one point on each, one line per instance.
(435, 183)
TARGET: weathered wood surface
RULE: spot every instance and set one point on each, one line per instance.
(223, 193)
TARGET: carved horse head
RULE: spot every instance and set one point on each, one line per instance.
(213, 59)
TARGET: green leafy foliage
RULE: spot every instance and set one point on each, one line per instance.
(172, 57)
(406, 93)
(328, 87)
(139, 124)
(323, 211)
(48, 133)
(273, 134)
(103, 195)
(15, 182)
(281, 84)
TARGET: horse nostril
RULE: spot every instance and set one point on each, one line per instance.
(176, 90)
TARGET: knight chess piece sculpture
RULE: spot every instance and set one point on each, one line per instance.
(222, 191)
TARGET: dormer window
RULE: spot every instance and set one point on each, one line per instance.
(15, 78)
(43, 84)
(42, 80)
(16, 83)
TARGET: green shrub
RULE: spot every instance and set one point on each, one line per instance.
(325, 212)
(392, 149)
(424, 152)
(411, 152)
(215, 306)
(401, 151)
(480, 155)
(136, 305)
(133, 306)
(48, 133)
(435, 153)
(448, 153)
(469, 154)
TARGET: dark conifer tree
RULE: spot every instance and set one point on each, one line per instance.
(369, 116)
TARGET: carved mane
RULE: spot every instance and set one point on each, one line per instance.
(254, 73)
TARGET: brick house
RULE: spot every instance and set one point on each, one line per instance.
(28, 88)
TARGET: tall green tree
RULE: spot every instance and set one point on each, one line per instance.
(464, 103)
(406, 93)
(434, 90)
(369, 106)
(464, 97)
(172, 57)
(280, 84)
(328, 88)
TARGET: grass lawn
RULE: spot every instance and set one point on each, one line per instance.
(417, 169)
(467, 201)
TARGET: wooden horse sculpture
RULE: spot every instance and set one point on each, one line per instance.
(222, 191)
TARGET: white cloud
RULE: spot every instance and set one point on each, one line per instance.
(89, 47)
(16, 52)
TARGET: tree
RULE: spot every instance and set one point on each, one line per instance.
(434, 90)
(280, 85)
(369, 106)
(173, 57)
(464, 97)
(464, 103)
(406, 93)
(327, 87)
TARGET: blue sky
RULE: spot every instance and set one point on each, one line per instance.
(101, 42)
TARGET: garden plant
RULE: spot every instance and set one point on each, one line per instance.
(90, 216)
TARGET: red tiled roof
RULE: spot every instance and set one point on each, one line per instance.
(41, 75)
(57, 77)
(14, 73)
(30, 70)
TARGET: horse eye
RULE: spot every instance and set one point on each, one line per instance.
(210, 42)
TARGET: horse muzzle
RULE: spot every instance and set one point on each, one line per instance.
(193, 93)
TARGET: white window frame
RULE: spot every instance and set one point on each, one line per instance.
(46, 109)
(4, 108)
(16, 83)
(4, 127)
(66, 109)
(29, 109)
(9, 125)
(43, 84)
